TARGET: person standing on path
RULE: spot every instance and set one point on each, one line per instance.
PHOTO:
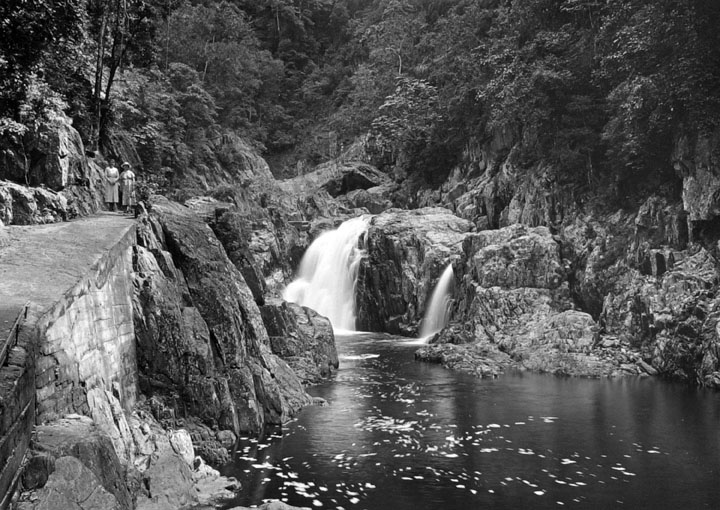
(111, 185)
(127, 187)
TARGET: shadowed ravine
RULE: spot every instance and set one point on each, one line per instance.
(399, 434)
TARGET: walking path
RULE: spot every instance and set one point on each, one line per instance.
(39, 263)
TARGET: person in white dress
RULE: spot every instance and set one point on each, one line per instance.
(127, 187)
(111, 185)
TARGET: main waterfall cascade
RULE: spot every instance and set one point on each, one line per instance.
(328, 273)
(438, 313)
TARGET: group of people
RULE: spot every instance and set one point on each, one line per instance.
(120, 188)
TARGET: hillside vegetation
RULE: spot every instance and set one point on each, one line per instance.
(597, 88)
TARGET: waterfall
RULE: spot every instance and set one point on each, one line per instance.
(328, 271)
(438, 313)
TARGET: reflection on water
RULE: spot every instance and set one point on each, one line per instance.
(400, 434)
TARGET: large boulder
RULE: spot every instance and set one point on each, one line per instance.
(338, 178)
(72, 486)
(58, 156)
(94, 463)
(406, 252)
(303, 338)
(375, 199)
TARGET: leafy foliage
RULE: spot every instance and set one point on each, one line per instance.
(597, 89)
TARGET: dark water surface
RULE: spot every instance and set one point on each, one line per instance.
(404, 435)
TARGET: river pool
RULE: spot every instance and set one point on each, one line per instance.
(403, 435)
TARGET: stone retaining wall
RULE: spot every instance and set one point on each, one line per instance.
(17, 405)
(87, 339)
(71, 285)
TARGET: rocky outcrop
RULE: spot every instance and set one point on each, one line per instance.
(238, 164)
(263, 244)
(338, 178)
(671, 319)
(118, 461)
(696, 161)
(74, 451)
(375, 199)
(48, 176)
(455, 348)
(303, 338)
(515, 297)
(53, 156)
(241, 384)
(20, 205)
(74, 487)
(406, 252)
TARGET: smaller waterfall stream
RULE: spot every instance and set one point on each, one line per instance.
(327, 274)
(438, 313)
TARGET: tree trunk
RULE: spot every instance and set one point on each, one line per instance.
(116, 58)
(97, 93)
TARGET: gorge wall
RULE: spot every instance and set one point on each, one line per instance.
(130, 322)
(641, 267)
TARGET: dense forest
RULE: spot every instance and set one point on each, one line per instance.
(597, 88)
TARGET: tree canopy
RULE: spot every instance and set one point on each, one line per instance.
(595, 88)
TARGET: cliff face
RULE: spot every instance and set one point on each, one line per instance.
(645, 276)
(202, 325)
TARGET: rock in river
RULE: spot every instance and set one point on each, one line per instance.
(407, 251)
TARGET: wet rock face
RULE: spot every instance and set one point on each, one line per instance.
(209, 326)
(407, 252)
(164, 326)
(303, 338)
(263, 242)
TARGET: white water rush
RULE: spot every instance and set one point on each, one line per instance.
(438, 313)
(328, 273)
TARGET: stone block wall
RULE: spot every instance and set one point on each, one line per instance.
(87, 339)
(17, 405)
